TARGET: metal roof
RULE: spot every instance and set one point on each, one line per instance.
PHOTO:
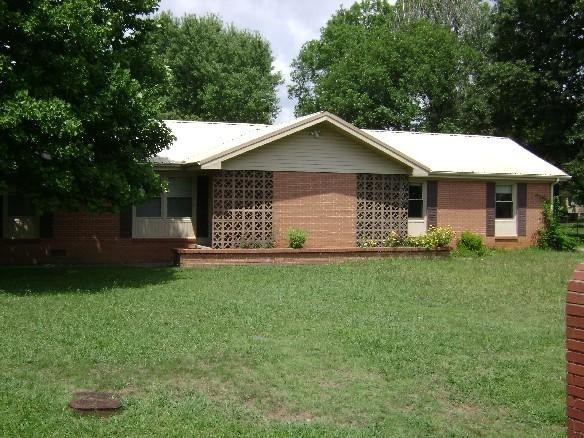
(438, 154)
(468, 154)
(198, 140)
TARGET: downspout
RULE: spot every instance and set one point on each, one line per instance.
(552, 193)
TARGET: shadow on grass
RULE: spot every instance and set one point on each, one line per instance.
(58, 280)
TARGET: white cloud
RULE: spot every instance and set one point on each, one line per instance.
(283, 66)
(286, 24)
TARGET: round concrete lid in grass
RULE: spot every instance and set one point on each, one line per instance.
(101, 403)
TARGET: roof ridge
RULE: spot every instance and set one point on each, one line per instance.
(435, 133)
(217, 123)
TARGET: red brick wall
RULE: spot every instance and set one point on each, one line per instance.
(322, 204)
(575, 353)
(89, 238)
(461, 204)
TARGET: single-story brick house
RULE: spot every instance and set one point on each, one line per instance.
(234, 184)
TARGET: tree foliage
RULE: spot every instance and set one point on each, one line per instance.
(381, 66)
(78, 105)
(217, 72)
(470, 20)
(539, 45)
(513, 70)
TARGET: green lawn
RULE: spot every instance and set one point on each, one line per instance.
(452, 347)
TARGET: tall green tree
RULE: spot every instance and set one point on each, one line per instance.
(78, 105)
(379, 67)
(470, 20)
(539, 49)
(217, 72)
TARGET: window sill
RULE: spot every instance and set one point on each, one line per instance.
(158, 239)
(417, 220)
(506, 238)
(23, 241)
(181, 218)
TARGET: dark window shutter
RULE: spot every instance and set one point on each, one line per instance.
(1, 217)
(432, 203)
(521, 209)
(126, 223)
(491, 187)
(46, 226)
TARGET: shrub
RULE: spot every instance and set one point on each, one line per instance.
(437, 237)
(471, 244)
(296, 238)
(552, 236)
(414, 241)
(367, 243)
(394, 239)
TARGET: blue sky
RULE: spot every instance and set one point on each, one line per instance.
(285, 24)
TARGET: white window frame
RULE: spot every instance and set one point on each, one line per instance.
(417, 226)
(11, 223)
(506, 227)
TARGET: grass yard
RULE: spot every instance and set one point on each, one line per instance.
(404, 347)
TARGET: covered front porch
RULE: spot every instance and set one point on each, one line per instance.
(252, 209)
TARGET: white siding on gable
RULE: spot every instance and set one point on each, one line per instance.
(320, 148)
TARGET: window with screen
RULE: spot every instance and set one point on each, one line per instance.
(20, 206)
(504, 208)
(179, 198)
(176, 202)
(19, 217)
(416, 202)
(151, 208)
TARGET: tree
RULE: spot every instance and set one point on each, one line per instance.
(78, 105)
(470, 20)
(376, 69)
(540, 45)
(217, 72)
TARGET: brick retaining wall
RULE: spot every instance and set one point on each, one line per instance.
(287, 256)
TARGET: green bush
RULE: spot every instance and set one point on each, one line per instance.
(367, 243)
(471, 244)
(296, 238)
(551, 235)
(437, 237)
(394, 239)
(415, 241)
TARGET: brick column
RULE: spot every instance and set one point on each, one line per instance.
(575, 353)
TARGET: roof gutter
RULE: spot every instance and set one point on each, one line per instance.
(499, 176)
